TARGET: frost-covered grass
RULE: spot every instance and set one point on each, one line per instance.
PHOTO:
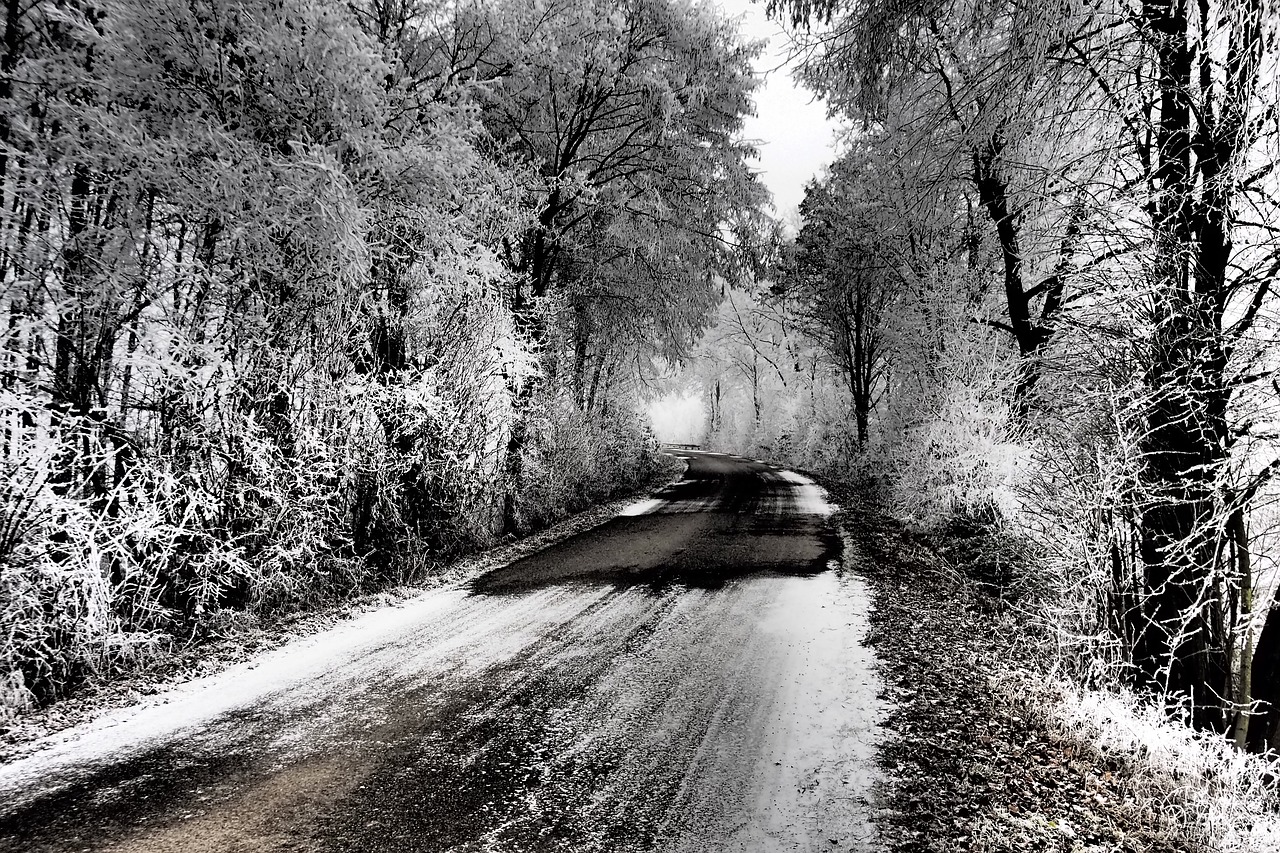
(1198, 786)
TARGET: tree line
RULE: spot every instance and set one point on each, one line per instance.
(299, 295)
(1036, 290)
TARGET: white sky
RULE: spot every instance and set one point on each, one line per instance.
(796, 140)
(677, 417)
(791, 127)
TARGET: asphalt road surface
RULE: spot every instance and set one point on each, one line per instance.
(685, 677)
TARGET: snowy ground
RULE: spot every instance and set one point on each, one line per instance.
(691, 678)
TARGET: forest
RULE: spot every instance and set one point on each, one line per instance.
(301, 297)
(1035, 292)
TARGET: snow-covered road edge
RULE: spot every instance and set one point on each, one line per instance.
(108, 703)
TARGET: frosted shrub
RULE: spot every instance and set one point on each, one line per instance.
(1075, 510)
(625, 451)
(1206, 792)
(91, 581)
(287, 520)
(578, 458)
(55, 613)
(443, 458)
(824, 441)
(958, 461)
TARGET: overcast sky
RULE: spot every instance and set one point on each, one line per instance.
(793, 132)
(795, 140)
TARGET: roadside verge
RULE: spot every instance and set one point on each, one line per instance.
(246, 638)
(970, 762)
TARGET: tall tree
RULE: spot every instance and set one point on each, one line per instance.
(1117, 149)
(1205, 122)
(627, 115)
(936, 76)
(845, 275)
(630, 108)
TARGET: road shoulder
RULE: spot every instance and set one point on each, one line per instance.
(970, 756)
(247, 637)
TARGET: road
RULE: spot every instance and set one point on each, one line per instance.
(685, 677)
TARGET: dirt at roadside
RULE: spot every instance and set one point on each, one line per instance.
(971, 765)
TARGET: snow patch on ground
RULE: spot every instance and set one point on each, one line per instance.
(641, 507)
(446, 632)
(819, 761)
(811, 499)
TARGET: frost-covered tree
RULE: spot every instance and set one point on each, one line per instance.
(1123, 158)
(257, 266)
(623, 118)
(625, 111)
(844, 276)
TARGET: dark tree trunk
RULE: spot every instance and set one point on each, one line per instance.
(581, 340)
(1186, 435)
(8, 65)
(1264, 728)
(1031, 334)
(512, 523)
(596, 374)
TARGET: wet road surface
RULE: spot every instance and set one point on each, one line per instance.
(686, 677)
